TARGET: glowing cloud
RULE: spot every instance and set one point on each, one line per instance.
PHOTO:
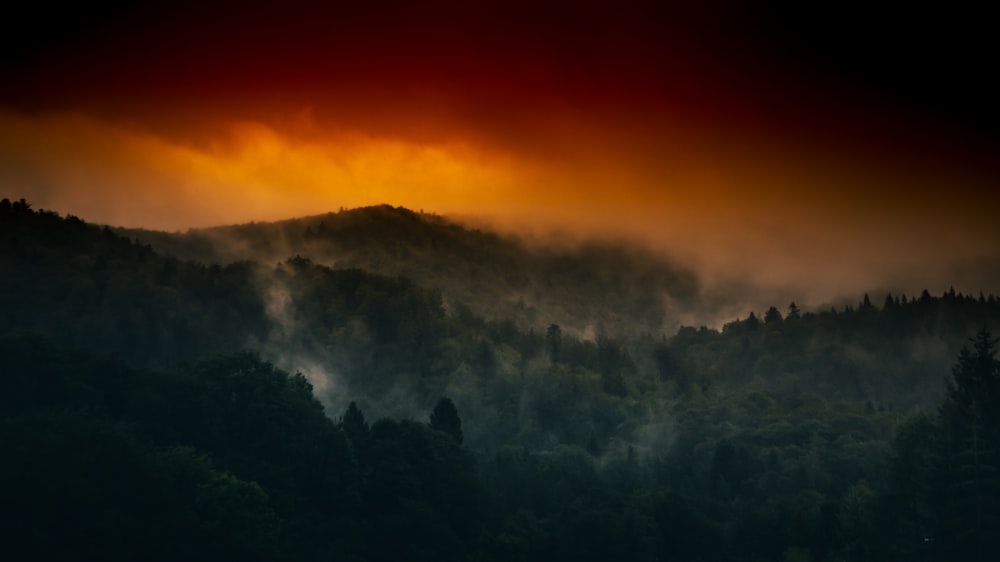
(119, 175)
(715, 138)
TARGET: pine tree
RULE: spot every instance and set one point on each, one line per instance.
(970, 417)
(914, 482)
(445, 418)
(354, 425)
(772, 316)
(553, 341)
(793, 312)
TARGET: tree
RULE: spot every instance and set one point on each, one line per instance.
(975, 381)
(484, 359)
(913, 484)
(553, 341)
(772, 316)
(970, 417)
(354, 425)
(670, 367)
(445, 418)
(793, 311)
(612, 359)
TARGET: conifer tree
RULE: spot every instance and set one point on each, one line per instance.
(970, 417)
(793, 311)
(354, 425)
(445, 418)
(553, 341)
(772, 316)
(866, 303)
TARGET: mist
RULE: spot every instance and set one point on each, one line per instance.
(760, 225)
(499, 281)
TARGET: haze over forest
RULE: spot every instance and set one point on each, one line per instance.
(745, 143)
(191, 398)
(589, 285)
(508, 281)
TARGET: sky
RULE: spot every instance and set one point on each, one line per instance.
(822, 153)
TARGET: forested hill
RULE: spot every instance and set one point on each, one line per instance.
(90, 288)
(147, 399)
(596, 288)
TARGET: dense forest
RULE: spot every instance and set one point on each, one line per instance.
(592, 287)
(336, 388)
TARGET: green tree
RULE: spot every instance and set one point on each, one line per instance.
(445, 418)
(913, 483)
(969, 415)
(553, 341)
(484, 359)
(354, 425)
(793, 311)
(613, 361)
(772, 316)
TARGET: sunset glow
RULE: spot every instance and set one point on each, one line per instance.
(709, 139)
(132, 178)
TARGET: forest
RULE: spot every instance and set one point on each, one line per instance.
(381, 384)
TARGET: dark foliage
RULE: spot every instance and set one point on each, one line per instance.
(134, 427)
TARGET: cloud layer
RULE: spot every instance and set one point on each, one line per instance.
(689, 131)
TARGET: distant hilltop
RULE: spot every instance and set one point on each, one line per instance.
(588, 288)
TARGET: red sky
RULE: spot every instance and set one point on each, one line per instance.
(827, 152)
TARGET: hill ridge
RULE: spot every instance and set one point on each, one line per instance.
(594, 286)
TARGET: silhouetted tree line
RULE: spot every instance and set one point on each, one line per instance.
(229, 458)
(134, 426)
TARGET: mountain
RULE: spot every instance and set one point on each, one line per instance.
(588, 289)
(195, 404)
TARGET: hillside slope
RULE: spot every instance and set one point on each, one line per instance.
(762, 437)
(587, 289)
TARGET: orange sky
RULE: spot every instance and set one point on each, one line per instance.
(763, 148)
